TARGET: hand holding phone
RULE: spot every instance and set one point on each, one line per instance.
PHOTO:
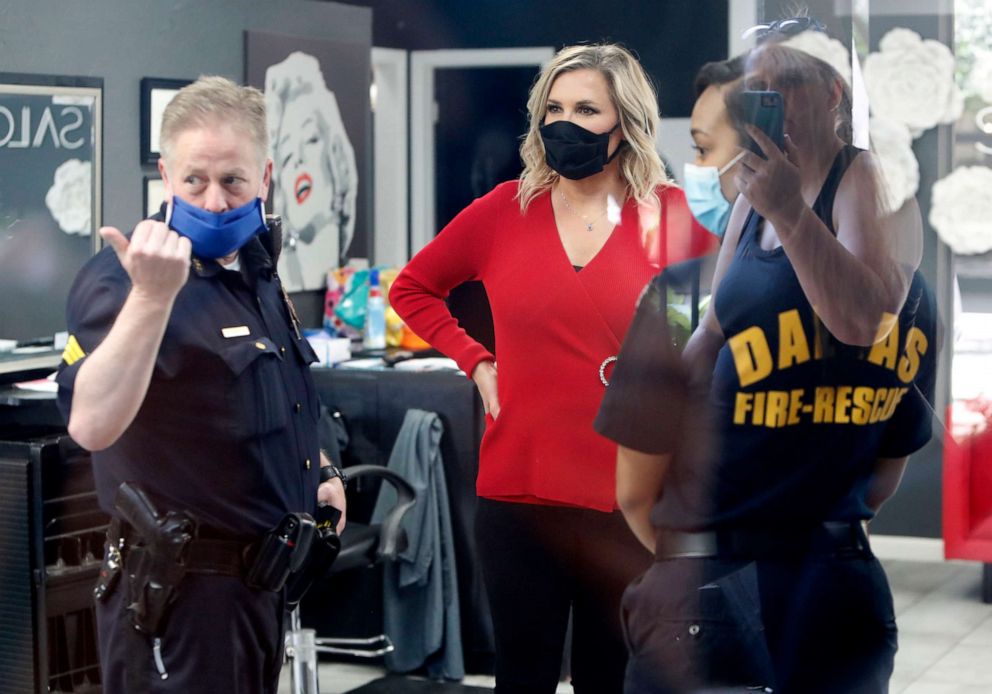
(764, 110)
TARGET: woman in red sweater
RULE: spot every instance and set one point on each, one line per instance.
(563, 253)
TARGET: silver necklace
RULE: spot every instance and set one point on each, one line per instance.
(585, 220)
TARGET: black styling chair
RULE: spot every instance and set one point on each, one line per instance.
(362, 545)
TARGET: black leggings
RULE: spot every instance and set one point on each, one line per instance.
(539, 561)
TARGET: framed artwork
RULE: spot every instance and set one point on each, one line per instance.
(317, 105)
(50, 195)
(154, 195)
(155, 96)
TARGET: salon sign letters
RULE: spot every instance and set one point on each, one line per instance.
(42, 125)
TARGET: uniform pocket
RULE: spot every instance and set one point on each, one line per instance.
(306, 351)
(709, 642)
(258, 390)
(697, 637)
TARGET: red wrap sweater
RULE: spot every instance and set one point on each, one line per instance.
(554, 327)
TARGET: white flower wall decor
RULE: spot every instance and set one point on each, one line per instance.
(961, 209)
(69, 197)
(892, 144)
(911, 80)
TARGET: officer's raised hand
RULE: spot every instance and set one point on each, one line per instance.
(156, 258)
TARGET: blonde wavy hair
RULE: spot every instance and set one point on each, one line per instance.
(634, 98)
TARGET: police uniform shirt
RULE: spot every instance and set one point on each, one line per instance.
(227, 430)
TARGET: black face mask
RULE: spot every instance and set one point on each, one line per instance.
(574, 152)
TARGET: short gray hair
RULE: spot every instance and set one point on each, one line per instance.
(213, 99)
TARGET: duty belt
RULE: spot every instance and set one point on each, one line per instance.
(203, 555)
(827, 538)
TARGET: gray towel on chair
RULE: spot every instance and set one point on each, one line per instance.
(420, 595)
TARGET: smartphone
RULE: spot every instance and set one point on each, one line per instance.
(765, 111)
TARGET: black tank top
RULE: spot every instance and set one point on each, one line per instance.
(798, 418)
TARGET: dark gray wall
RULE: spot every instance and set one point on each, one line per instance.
(672, 38)
(125, 40)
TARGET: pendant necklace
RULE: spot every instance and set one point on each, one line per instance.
(585, 220)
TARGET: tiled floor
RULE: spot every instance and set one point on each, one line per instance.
(945, 630)
(945, 635)
(336, 678)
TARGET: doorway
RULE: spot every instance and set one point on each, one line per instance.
(468, 111)
(481, 115)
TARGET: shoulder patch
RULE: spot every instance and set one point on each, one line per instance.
(72, 352)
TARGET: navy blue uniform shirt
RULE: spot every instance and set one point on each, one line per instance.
(227, 430)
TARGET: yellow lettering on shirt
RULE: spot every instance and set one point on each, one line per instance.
(751, 355)
(842, 405)
(916, 346)
(862, 401)
(878, 408)
(854, 404)
(792, 345)
(885, 351)
(795, 405)
(823, 405)
(895, 397)
(777, 412)
(857, 405)
(887, 323)
(744, 403)
(758, 415)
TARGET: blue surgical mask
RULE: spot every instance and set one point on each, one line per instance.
(216, 235)
(705, 197)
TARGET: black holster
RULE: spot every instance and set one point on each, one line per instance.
(323, 551)
(159, 550)
(280, 552)
(155, 563)
(113, 561)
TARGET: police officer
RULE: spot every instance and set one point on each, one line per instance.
(186, 375)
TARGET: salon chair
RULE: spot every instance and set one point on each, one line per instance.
(362, 545)
(967, 486)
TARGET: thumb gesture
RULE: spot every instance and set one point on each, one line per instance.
(156, 258)
(117, 241)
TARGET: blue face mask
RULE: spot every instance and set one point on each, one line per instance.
(216, 235)
(705, 197)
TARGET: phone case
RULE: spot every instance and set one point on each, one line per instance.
(764, 110)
